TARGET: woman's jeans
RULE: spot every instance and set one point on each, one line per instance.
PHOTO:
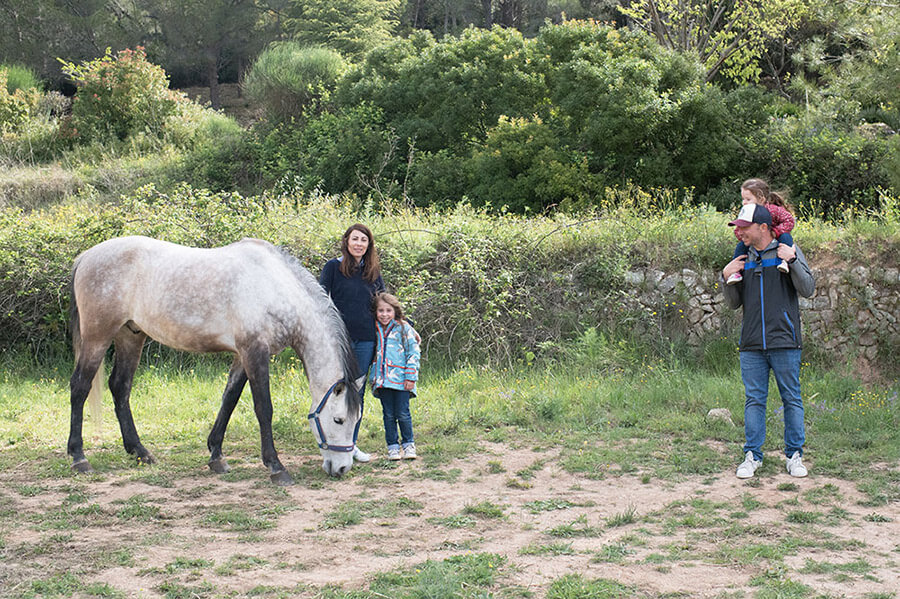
(755, 366)
(395, 408)
(365, 353)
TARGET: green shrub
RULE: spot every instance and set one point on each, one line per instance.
(288, 78)
(119, 96)
(218, 152)
(823, 167)
(17, 105)
(19, 77)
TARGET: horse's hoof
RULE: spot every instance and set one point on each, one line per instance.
(219, 466)
(282, 478)
(146, 459)
(82, 467)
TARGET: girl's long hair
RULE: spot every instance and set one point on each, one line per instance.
(371, 262)
(760, 189)
(392, 301)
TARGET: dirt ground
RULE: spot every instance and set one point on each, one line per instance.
(682, 539)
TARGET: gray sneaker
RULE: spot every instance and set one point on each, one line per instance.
(361, 456)
(795, 465)
(748, 466)
(409, 452)
(393, 454)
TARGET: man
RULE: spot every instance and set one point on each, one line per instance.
(770, 334)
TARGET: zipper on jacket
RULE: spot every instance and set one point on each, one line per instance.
(762, 303)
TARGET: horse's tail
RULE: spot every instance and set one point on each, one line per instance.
(95, 395)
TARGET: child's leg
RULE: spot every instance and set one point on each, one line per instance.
(389, 416)
(739, 250)
(786, 239)
(404, 418)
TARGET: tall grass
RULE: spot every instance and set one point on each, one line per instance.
(19, 77)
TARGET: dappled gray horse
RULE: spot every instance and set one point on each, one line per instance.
(248, 298)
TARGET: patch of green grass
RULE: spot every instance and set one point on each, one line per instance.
(454, 521)
(548, 549)
(825, 494)
(175, 590)
(578, 528)
(495, 467)
(575, 586)
(787, 487)
(138, 508)
(467, 576)
(354, 512)
(64, 585)
(622, 518)
(614, 553)
(877, 518)
(858, 567)
(484, 509)
(803, 517)
(236, 519)
(548, 505)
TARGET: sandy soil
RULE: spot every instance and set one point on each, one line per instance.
(678, 542)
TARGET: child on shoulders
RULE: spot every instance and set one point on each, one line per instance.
(756, 191)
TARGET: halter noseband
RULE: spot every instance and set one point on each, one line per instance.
(314, 416)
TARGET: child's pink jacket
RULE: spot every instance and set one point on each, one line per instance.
(782, 220)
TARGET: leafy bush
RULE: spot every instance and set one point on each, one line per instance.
(821, 165)
(19, 77)
(288, 78)
(16, 103)
(119, 96)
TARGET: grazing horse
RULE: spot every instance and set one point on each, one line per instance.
(248, 298)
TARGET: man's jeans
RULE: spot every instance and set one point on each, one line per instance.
(395, 407)
(755, 366)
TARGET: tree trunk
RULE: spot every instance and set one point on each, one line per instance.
(212, 77)
(488, 13)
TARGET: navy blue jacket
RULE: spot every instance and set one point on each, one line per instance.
(769, 297)
(353, 298)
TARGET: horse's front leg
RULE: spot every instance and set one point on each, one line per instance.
(256, 366)
(237, 378)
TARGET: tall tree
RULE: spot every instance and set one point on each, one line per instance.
(729, 36)
(208, 34)
(352, 27)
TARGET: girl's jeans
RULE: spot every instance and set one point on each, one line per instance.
(365, 353)
(395, 408)
(755, 366)
(741, 248)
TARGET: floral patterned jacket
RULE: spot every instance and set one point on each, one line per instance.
(396, 357)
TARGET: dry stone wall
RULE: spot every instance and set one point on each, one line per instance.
(855, 310)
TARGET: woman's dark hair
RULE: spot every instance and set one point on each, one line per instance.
(371, 263)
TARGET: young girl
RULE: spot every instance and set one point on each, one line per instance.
(394, 374)
(757, 191)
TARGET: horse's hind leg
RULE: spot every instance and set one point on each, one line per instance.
(237, 378)
(86, 367)
(256, 365)
(128, 354)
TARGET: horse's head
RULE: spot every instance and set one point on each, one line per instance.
(334, 421)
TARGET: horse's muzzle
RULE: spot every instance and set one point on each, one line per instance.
(339, 466)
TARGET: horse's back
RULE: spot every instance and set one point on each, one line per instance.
(194, 299)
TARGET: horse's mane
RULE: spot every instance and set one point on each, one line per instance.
(326, 307)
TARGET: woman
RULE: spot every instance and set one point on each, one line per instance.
(352, 281)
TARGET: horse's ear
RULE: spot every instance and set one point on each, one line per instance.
(360, 382)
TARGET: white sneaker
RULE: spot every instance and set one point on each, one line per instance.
(783, 267)
(393, 454)
(748, 466)
(409, 452)
(795, 465)
(360, 456)
(735, 279)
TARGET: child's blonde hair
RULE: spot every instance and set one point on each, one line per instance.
(760, 189)
(392, 301)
